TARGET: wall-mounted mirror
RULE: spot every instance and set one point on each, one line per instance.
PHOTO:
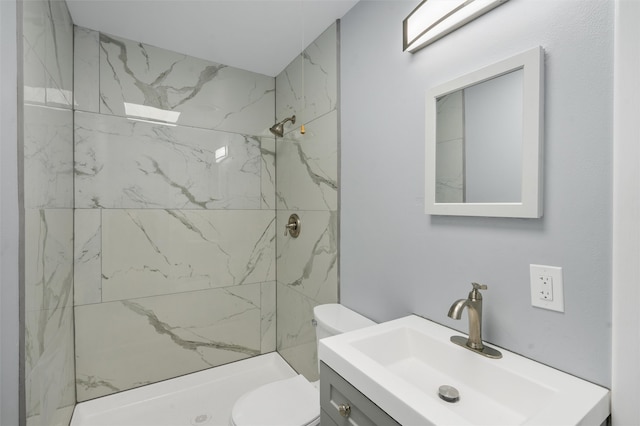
(484, 141)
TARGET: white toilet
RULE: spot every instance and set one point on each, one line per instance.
(295, 401)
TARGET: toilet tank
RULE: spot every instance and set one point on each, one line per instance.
(333, 318)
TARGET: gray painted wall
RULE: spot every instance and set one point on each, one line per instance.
(396, 260)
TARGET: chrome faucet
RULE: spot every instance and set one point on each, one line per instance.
(473, 303)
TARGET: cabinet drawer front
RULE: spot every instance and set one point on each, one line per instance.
(344, 405)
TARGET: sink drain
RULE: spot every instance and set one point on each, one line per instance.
(448, 393)
(202, 419)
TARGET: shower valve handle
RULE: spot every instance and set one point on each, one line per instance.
(292, 226)
(289, 227)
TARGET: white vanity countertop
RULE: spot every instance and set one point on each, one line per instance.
(400, 364)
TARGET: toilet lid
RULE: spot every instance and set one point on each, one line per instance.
(292, 401)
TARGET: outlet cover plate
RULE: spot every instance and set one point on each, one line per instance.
(549, 275)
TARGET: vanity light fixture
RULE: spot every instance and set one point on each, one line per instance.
(434, 19)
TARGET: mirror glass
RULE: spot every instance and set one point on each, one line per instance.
(479, 142)
(483, 153)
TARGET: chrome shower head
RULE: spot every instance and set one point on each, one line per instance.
(278, 128)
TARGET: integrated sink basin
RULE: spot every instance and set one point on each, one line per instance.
(401, 364)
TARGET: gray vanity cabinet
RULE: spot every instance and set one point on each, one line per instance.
(344, 405)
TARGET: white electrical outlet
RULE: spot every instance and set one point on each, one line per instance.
(546, 287)
(545, 290)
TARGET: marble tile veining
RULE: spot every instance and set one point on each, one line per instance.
(60, 417)
(48, 39)
(151, 252)
(48, 249)
(48, 343)
(49, 369)
(206, 94)
(303, 357)
(47, 96)
(296, 334)
(35, 26)
(86, 80)
(59, 53)
(450, 149)
(308, 87)
(175, 229)
(307, 172)
(87, 272)
(268, 173)
(48, 157)
(163, 167)
(308, 264)
(450, 171)
(268, 317)
(129, 343)
(307, 184)
(175, 224)
(39, 88)
(450, 117)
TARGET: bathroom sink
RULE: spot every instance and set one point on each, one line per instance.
(401, 364)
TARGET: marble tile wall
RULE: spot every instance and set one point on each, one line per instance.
(153, 338)
(153, 252)
(163, 167)
(175, 222)
(48, 216)
(175, 225)
(308, 86)
(205, 94)
(49, 344)
(450, 149)
(307, 184)
(48, 53)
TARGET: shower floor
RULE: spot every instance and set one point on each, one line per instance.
(201, 399)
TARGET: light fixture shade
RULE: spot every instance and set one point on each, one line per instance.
(433, 19)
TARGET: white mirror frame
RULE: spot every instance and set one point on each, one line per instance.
(532, 64)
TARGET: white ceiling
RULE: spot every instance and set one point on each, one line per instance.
(263, 36)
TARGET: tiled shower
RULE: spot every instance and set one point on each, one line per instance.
(178, 260)
(154, 249)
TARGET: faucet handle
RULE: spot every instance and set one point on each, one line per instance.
(477, 286)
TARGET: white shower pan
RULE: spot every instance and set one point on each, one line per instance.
(201, 399)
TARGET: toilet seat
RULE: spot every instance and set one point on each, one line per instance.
(289, 402)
